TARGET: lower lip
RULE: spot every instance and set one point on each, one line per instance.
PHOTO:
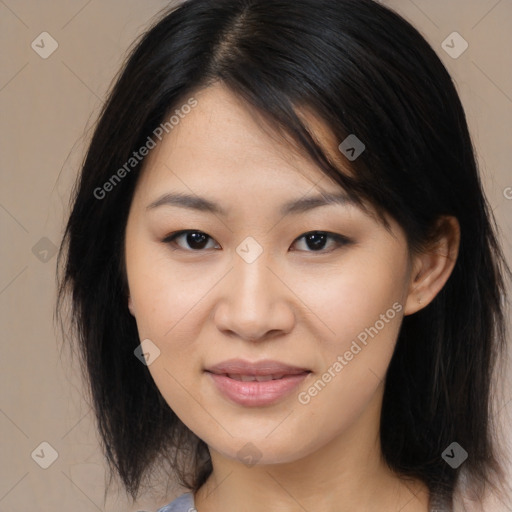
(254, 393)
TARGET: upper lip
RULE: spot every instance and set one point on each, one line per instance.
(264, 367)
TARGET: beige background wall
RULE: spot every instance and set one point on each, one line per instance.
(46, 106)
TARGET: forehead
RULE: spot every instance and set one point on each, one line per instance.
(224, 141)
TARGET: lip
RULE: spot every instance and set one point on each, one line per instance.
(256, 393)
(264, 367)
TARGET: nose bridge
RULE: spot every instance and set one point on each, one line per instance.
(253, 280)
(253, 302)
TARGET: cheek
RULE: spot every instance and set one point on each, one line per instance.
(351, 297)
(169, 307)
(360, 302)
(362, 305)
(164, 296)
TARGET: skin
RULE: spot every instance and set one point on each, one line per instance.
(293, 304)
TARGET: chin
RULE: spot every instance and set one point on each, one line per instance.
(259, 451)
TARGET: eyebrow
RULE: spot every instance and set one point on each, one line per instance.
(203, 204)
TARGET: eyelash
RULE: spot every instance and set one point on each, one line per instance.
(340, 240)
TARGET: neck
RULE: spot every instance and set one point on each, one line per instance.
(346, 475)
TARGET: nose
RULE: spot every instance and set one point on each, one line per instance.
(254, 304)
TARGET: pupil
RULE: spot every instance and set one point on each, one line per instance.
(318, 240)
(196, 239)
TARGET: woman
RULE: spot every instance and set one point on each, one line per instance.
(285, 280)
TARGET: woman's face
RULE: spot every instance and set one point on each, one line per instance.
(249, 283)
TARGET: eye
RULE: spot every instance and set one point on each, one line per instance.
(316, 240)
(196, 240)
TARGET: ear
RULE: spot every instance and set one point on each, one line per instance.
(432, 266)
(130, 306)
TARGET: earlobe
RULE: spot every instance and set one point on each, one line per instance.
(130, 306)
(433, 266)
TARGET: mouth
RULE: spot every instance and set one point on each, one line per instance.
(256, 384)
